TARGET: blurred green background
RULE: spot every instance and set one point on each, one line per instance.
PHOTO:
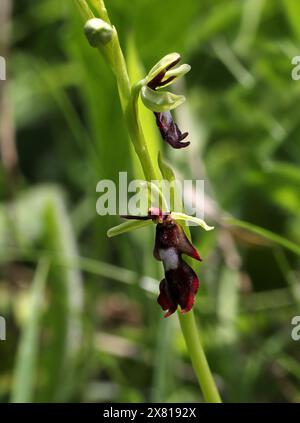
(82, 319)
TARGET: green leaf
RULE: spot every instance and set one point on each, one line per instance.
(265, 233)
(40, 216)
(27, 355)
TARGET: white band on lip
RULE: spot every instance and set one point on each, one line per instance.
(169, 258)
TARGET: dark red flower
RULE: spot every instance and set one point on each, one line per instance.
(169, 130)
(180, 284)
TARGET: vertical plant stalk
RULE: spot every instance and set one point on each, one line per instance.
(128, 99)
(198, 357)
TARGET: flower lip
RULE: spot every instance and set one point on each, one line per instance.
(169, 130)
(180, 284)
(178, 288)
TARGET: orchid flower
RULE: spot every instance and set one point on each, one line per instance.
(180, 284)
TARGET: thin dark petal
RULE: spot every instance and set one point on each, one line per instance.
(130, 217)
(174, 136)
(173, 63)
(154, 213)
(157, 81)
(183, 136)
(177, 145)
(164, 83)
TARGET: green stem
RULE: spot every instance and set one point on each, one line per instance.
(197, 354)
(128, 98)
(129, 105)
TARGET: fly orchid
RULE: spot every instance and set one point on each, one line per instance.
(164, 73)
(180, 284)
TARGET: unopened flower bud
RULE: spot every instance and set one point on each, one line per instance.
(98, 32)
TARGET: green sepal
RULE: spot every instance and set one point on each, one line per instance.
(173, 74)
(160, 101)
(127, 227)
(186, 218)
(163, 64)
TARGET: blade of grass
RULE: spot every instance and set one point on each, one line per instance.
(227, 304)
(265, 233)
(162, 374)
(40, 215)
(251, 17)
(26, 361)
(66, 304)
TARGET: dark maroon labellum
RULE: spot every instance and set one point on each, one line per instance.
(179, 287)
(169, 130)
(180, 284)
